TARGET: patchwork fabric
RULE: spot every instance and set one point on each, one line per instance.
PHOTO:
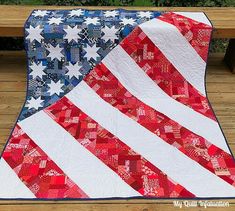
(63, 46)
(163, 73)
(116, 108)
(36, 170)
(135, 170)
(194, 146)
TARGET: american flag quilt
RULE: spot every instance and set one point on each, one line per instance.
(116, 107)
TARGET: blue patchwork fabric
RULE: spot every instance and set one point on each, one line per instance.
(64, 45)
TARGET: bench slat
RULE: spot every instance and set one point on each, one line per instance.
(12, 18)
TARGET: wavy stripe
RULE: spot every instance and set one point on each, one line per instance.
(133, 168)
(151, 60)
(131, 76)
(196, 16)
(175, 164)
(177, 50)
(104, 83)
(89, 173)
(11, 186)
(191, 26)
(36, 170)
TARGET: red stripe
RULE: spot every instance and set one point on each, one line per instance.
(36, 170)
(134, 169)
(104, 83)
(198, 34)
(143, 51)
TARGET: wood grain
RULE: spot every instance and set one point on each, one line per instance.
(221, 92)
(100, 207)
(12, 18)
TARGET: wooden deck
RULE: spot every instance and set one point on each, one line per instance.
(221, 92)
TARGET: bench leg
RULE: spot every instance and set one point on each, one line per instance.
(229, 57)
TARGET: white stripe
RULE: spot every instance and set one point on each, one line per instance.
(10, 184)
(134, 79)
(175, 164)
(177, 50)
(88, 172)
(197, 16)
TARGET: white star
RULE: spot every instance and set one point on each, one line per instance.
(55, 52)
(37, 70)
(94, 21)
(146, 14)
(40, 13)
(34, 103)
(73, 70)
(55, 88)
(129, 21)
(54, 20)
(109, 33)
(110, 13)
(78, 12)
(91, 52)
(34, 33)
(72, 33)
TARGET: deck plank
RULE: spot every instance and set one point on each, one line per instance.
(99, 207)
(221, 92)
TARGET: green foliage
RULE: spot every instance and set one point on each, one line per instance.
(216, 3)
(91, 2)
(30, 2)
(219, 45)
(77, 3)
(159, 3)
(22, 2)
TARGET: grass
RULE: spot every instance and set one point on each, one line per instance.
(30, 2)
(24, 2)
(144, 3)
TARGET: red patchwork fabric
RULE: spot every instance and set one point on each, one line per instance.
(36, 170)
(102, 81)
(133, 168)
(196, 33)
(116, 107)
(163, 73)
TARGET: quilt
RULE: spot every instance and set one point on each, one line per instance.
(116, 107)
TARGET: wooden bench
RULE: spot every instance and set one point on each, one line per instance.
(220, 87)
(12, 20)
